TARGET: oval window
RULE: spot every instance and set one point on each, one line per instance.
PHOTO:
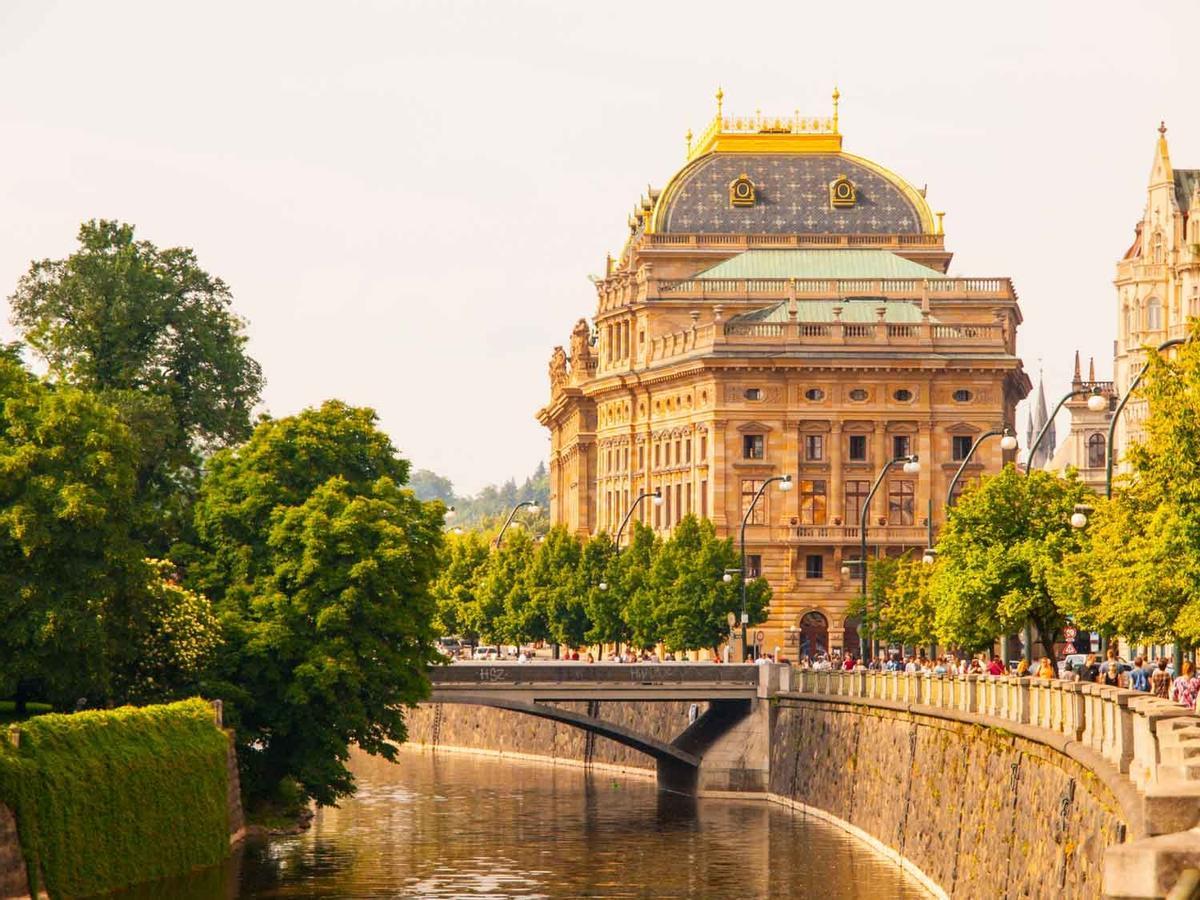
(962, 396)
(858, 394)
(903, 395)
(814, 394)
(754, 393)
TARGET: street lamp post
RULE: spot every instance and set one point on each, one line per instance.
(785, 484)
(658, 500)
(1112, 423)
(533, 507)
(1008, 441)
(1096, 402)
(911, 465)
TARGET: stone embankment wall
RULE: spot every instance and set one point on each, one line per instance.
(516, 734)
(980, 811)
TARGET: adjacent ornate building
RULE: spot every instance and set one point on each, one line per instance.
(1158, 279)
(782, 307)
(1086, 443)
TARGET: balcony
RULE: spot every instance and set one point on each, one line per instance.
(738, 242)
(782, 288)
(905, 535)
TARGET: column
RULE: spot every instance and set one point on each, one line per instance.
(719, 478)
(789, 465)
(837, 503)
(882, 456)
(928, 472)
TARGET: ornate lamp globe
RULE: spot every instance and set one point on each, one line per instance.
(1008, 442)
(1097, 402)
(451, 513)
(929, 557)
(912, 466)
(786, 484)
(845, 571)
(1078, 520)
(727, 578)
(603, 585)
(534, 508)
(658, 500)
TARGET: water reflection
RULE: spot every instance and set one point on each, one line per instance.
(457, 826)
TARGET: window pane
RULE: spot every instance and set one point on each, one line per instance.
(814, 566)
(812, 502)
(961, 446)
(1096, 458)
(749, 488)
(753, 446)
(753, 566)
(900, 503)
(858, 447)
(814, 447)
(900, 446)
(856, 496)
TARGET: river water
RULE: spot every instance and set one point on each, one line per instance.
(450, 825)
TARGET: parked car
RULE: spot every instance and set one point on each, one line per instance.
(486, 653)
(1072, 661)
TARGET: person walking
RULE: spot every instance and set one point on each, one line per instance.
(1186, 686)
(1139, 678)
(1046, 669)
(1089, 671)
(1160, 681)
(1110, 672)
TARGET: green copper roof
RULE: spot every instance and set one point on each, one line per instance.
(819, 264)
(854, 309)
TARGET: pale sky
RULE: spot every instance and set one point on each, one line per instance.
(407, 198)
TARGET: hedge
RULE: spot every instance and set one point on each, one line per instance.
(109, 798)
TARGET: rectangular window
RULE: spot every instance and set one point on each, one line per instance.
(754, 446)
(608, 462)
(900, 445)
(901, 503)
(814, 447)
(703, 447)
(657, 515)
(688, 494)
(753, 566)
(812, 502)
(667, 504)
(960, 446)
(657, 455)
(814, 566)
(678, 503)
(667, 453)
(749, 489)
(858, 448)
(688, 449)
(704, 499)
(678, 453)
(641, 458)
(856, 498)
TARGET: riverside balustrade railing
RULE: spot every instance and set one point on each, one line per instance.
(1155, 742)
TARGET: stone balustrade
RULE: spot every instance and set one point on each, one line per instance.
(1147, 749)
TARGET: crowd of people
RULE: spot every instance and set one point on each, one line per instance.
(1150, 676)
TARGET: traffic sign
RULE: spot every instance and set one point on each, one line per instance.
(758, 637)
(1070, 632)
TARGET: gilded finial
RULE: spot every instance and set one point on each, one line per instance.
(720, 100)
(689, 142)
(1162, 128)
(836, 96)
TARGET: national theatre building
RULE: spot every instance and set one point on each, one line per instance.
(782, 307)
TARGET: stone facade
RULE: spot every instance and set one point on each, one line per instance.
(980, 811)
(1158, 278)
(820, 341)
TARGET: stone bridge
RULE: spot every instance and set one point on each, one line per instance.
(979, 786)
(730, 693)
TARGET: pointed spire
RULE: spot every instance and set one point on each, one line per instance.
(1162, 171)
(1041, 416)
(720, 100)
(1076, 380)
(1092, 369)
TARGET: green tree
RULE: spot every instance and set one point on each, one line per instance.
(69, 567)
(1140, 574)
(320, 566)
(695, 601)
(503, 611)
(556, 587)
(1000, 557)
(463, 558)
(155, 335)
(904, 613)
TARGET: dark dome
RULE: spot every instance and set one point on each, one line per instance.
(792, 196)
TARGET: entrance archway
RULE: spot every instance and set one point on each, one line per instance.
(814, 634)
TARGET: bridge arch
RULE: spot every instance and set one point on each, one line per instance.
(661, 751)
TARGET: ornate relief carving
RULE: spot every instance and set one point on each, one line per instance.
(558, 370)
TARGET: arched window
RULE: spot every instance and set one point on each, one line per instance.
(1154, 314)
(1158, 254)
(1096, 458)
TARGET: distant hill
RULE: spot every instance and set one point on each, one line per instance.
(491, 503)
